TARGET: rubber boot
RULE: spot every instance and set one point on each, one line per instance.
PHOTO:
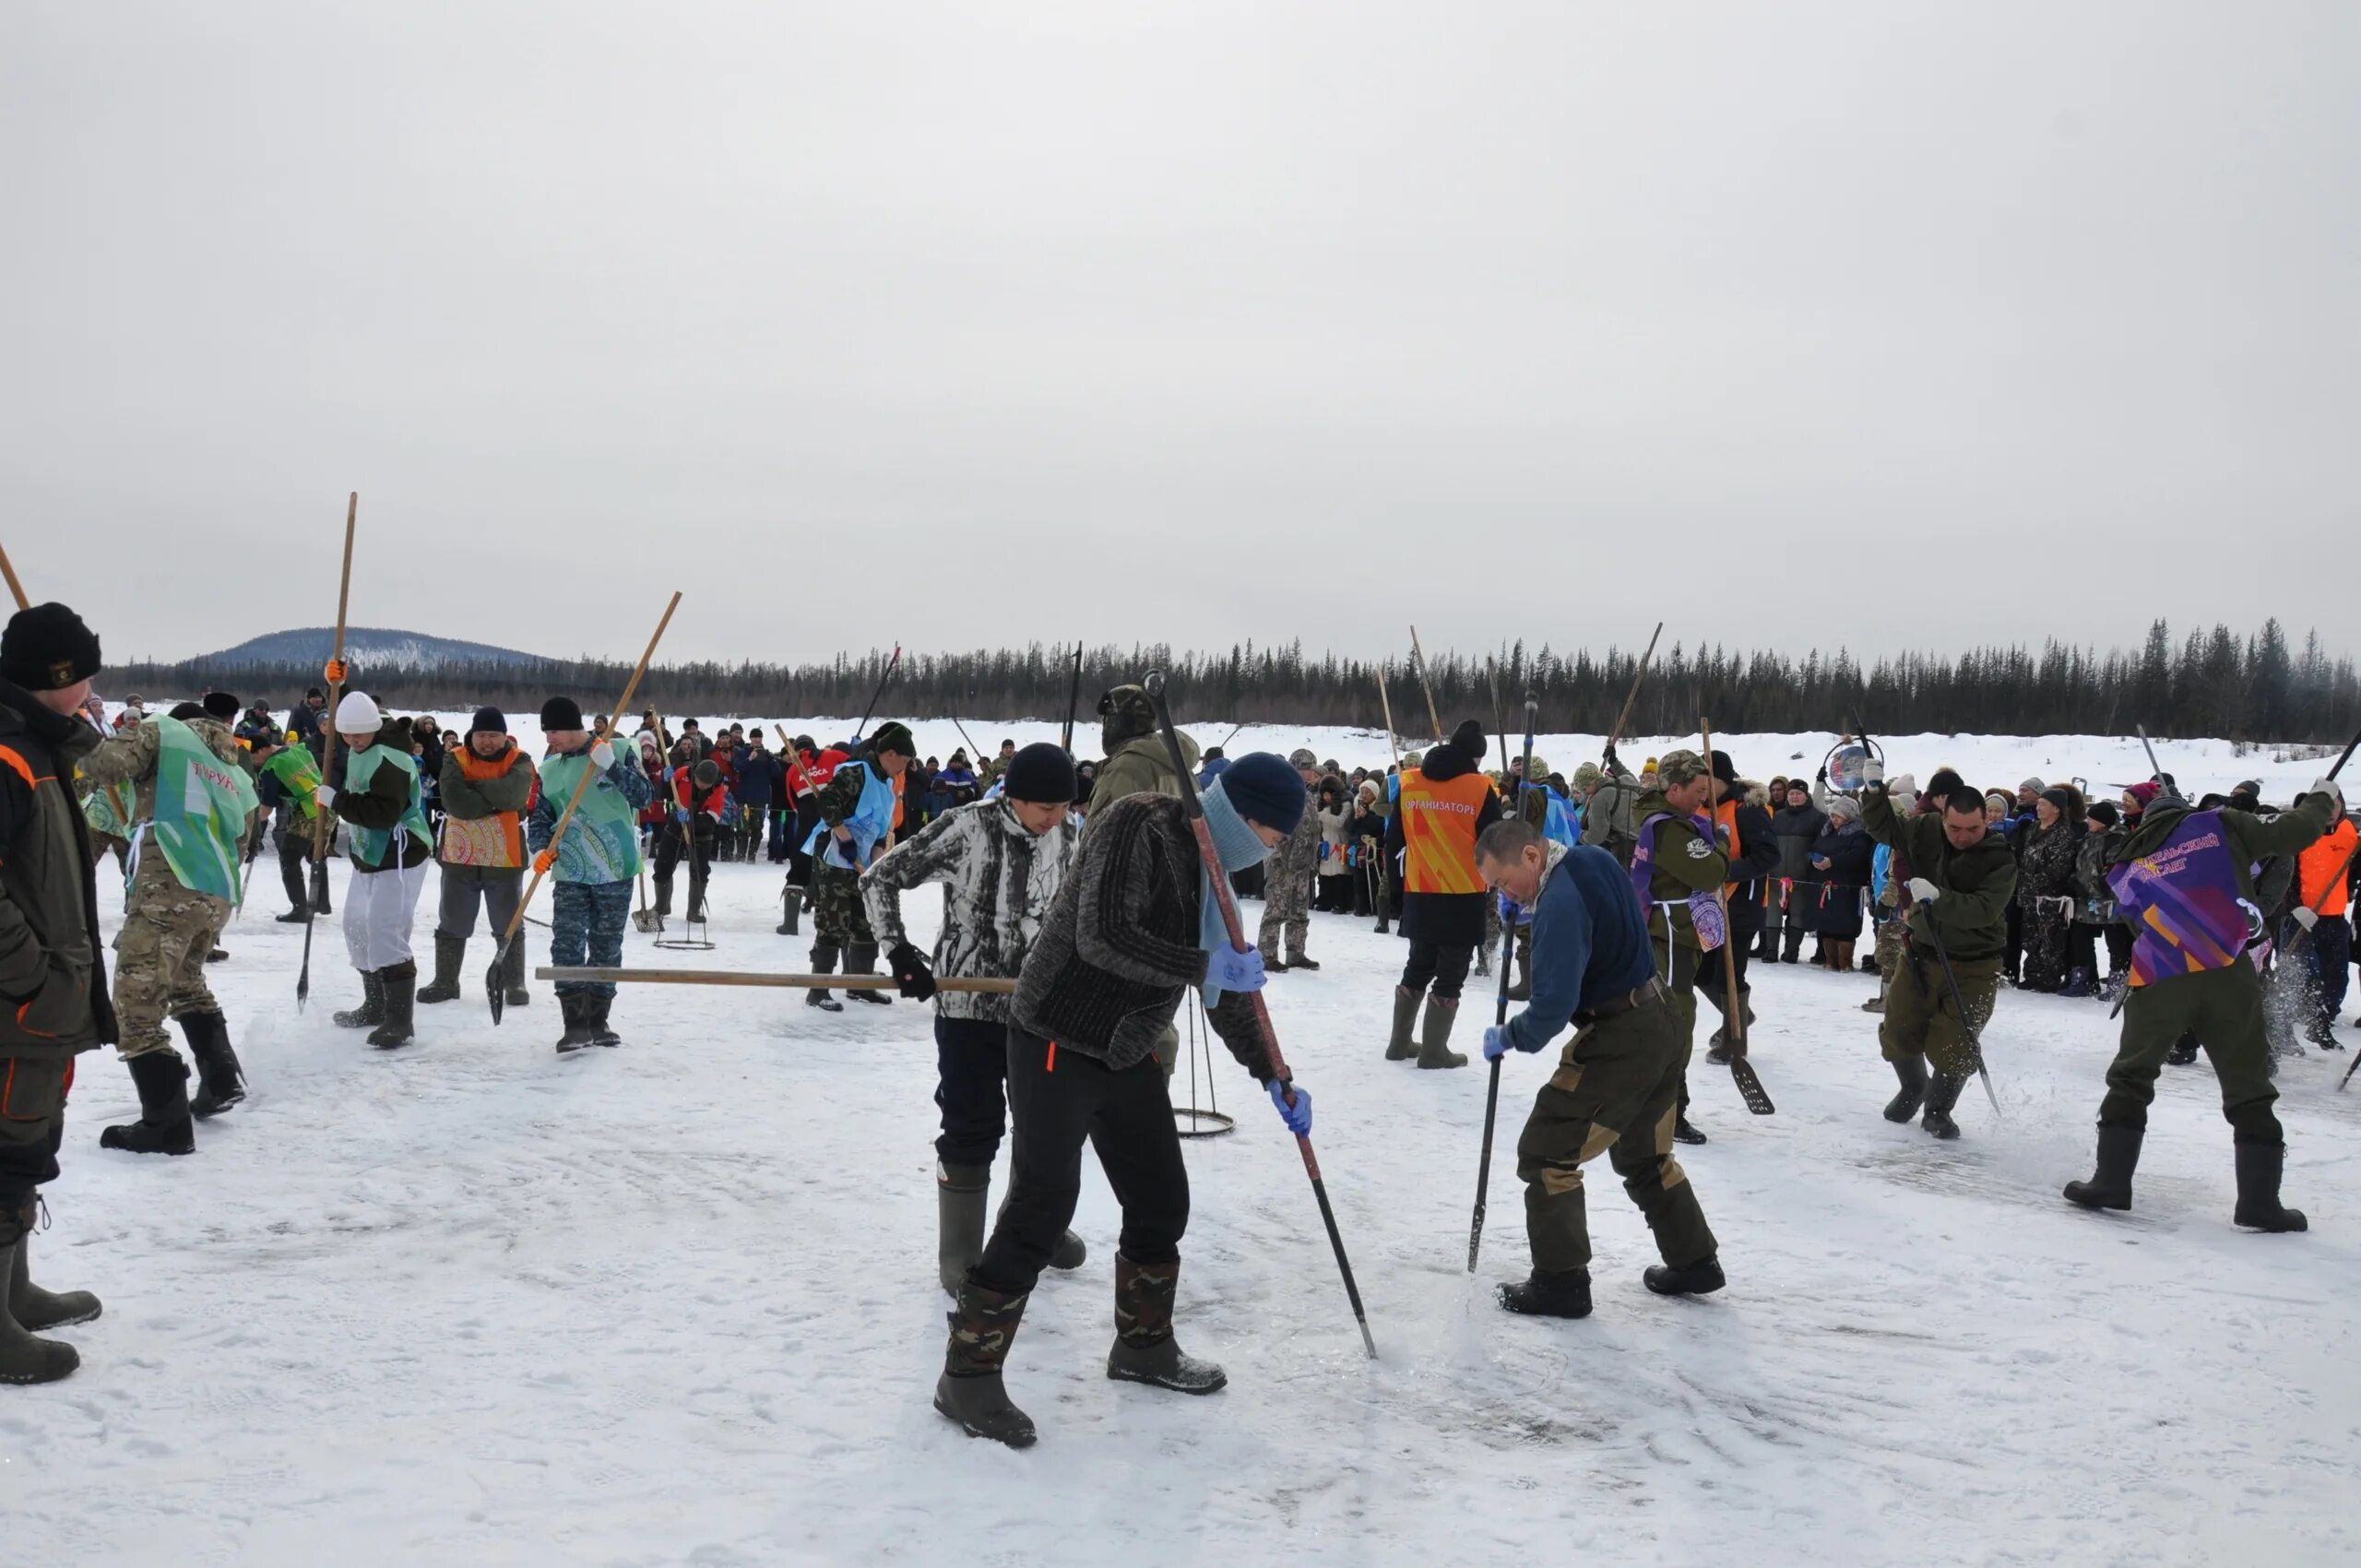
(1791, 946)
(1719, 1048)
(164, 1126)
(450, 951)
(221, 1084)
(23, 1358)
(983, 1326)
(35, 1310)
(1381, 923)
(2259, 1168)
(1434, 1034)
(372, 1011)
(663, 897)
(595, 1010)
(824, 962)
(511, 978)
(2078, 984)
(296, 916)
(792, 916)
(861, 958)
(2184, 1050)
(1911, 1072)
(1144, 1350)
(575, 1016)
(1700, 1278)
(960, 1193)
(401, 991)
(2110, 1186)
(1766, 947)
(1398, 1046)
(1942, 1094)
(1549, 1293)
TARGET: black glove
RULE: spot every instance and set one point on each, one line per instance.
(1821, 776)
(1607, 756)
(911, 973)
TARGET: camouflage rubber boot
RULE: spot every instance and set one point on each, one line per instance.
(983, 1326)
(1398, 1046)
(34, 1309)
(1144, 1350)
(23, 1358)
(2110, 1184)
(960, 1193)
(401, 990)
(2259, 1167)
(221, 1082)
(1434, 1034)
(372, 1011)
(450, 951)
(512, 976)
(1912, 1074)
(164, 1126)
(824, 962)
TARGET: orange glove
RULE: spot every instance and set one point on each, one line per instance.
(545, 862)
(336, 671)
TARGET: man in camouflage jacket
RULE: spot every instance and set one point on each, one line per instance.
(1287, 882)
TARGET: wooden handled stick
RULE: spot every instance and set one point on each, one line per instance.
(1387, 703)
(324, 819)
(14, 586)
(1419, 655)
(1633, 694)
(742, 976)
(565, 820)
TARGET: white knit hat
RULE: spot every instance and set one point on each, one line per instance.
(356, 715)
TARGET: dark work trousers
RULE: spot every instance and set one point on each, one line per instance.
(670, 845)
(294, 855)
(2119, 944)
(2325, 953)
(1446, 967)
(2082, 949)
(1057, 1100)
(782, 818)
(806, 817)
(970, 1068)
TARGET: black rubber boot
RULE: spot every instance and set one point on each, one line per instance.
(601, 1032)
(1399, 1046)
(861, 958)
(2110, 1186)
(38, 1310)
(23, 1358)
(1683, 1131)
(983, 1326)
(575, 1016)
(2184, 1050)
(1912, 1074)
(164, 1126)
(824, 962)
(401, 991)
(2259, 1168)
(1720, 1049)
(450, 951)
(1434, 1033)
(663, 897)
(791, 915)
(221, 1084)
(298, 916)
(372, 1011)
(1942, 1094)
(1144, 1350)
(960, 1193)
(1700, 1278)
(1549, 1293)
(1791, 946)
(512, 976)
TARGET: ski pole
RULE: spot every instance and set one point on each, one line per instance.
(324, 820)
(491, 980)
(1237, 930)
(1500, 1009)
(878, 693)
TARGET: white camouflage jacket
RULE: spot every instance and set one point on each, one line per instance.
(997, 881)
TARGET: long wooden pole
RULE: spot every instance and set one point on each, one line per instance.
(1386, 702)
(1419, 656)
(14, 586)
(1633, 695)
(323, 820)
(565, 820)
(740, 977)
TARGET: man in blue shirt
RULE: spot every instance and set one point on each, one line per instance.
(1616, 1083)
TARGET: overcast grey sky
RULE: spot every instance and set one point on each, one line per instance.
(1889, 325)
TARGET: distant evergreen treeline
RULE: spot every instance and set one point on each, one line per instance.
(2211, 684)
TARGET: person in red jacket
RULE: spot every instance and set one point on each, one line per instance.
(697, 798)
(2324, 896)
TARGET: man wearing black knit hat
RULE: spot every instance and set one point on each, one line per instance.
(1099, 983)
(1002, 861)
(53, 966)
(1445, 802)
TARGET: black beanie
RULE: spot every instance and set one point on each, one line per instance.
(221, 706)
(492, 719)
(185, 711)
(1262, 785)
(562, 713)
(705, 774)
(47, 648)
(1468, 741)
(894, 736)
(1041, 772)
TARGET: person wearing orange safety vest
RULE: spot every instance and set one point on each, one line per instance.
(2324, 874)
(1445, 802)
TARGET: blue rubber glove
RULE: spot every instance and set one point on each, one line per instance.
(1496, 1043)
(1297, 1116)
(1233, 970)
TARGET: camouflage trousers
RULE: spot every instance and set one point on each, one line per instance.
(1287, 908)
(838, 917)
(159, 961)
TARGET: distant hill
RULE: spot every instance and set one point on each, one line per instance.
(375, 647)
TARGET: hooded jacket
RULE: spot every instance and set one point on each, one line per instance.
(52, 966)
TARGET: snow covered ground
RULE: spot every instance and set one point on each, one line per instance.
(675, 1303)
